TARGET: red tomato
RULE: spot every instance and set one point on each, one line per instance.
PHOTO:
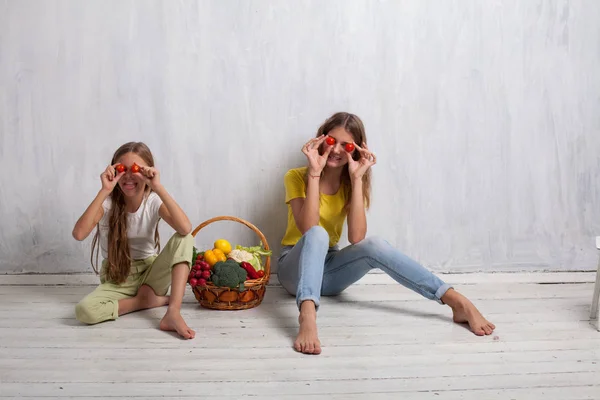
(135, 168)
(205, 274)
(193, 282)
(120, 168)
(330, 141)
(260, 273)
(349, 147)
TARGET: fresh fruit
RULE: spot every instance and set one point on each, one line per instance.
(349, 147)
(210, 257)
(120, 168)
(330, 141)
(201, 282)
(204, 266)
(220, 255)
(205, 274)
(223, 245)
(135, 168)
(193, 282)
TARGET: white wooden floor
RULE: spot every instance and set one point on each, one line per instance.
(380, 341)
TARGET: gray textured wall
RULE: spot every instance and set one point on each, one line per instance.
(484, 116)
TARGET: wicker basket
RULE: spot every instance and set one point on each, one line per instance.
(224, 298)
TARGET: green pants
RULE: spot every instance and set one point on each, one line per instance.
(103, 303)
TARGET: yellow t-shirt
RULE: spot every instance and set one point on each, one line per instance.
(332, 211)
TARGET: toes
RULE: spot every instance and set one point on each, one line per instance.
(192, 333)
(298, 347)
(310, 348)
(317, 349)
(479, 331)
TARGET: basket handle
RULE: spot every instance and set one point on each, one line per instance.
(249, 225)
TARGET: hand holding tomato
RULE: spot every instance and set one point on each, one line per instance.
(357, 168)
(111, 175)
(150, 175)
(316, 161)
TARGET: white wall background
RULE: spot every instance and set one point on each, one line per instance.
(485, 116)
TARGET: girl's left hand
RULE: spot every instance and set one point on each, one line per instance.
(358, 168)
(151, 176)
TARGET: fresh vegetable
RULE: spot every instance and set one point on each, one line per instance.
(330, 141)
(193, 282)
(210, 257)
(223, 245)
(203, 265)
(260, 273)
(220, 255)
(201, 282)
(204, 274)
(257, 252)
(120, 168)
(196, 256)
(135, 168)
(240, 255)
(198, 274)
(349, 147)
(229, 274)
(249, 269)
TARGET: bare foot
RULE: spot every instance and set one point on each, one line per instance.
(307, 341)
(466, 312)
(148, 299)
(173, 322)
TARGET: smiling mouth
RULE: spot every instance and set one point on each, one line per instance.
(129, 185)
(334, 158)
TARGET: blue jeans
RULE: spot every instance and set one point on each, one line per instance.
(311, 268)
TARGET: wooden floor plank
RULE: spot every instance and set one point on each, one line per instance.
(380, 341)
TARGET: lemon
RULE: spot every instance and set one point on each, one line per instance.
(223, 245)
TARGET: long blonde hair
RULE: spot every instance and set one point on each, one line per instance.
(353, 125)
(119, 258)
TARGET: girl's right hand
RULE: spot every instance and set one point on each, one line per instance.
(316, 161)
(110, 177)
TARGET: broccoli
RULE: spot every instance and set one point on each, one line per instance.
(228, 273)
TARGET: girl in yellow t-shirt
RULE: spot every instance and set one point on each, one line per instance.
(334, 186)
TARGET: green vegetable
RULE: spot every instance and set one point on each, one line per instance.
(257, 252)
(229, 274)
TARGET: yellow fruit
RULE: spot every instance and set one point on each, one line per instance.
(223, 245)
(219, 254)
(210, 257)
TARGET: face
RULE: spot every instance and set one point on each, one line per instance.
(337, 158)
(131, 184)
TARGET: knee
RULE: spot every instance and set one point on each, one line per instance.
(187, 240)
(317, 234)
(374, 245)
(85, 312)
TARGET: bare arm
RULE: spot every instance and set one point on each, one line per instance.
(169, 210)
(92, 215)
(357, 219)
(172, 213)
(306, 210)
(90, 218)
